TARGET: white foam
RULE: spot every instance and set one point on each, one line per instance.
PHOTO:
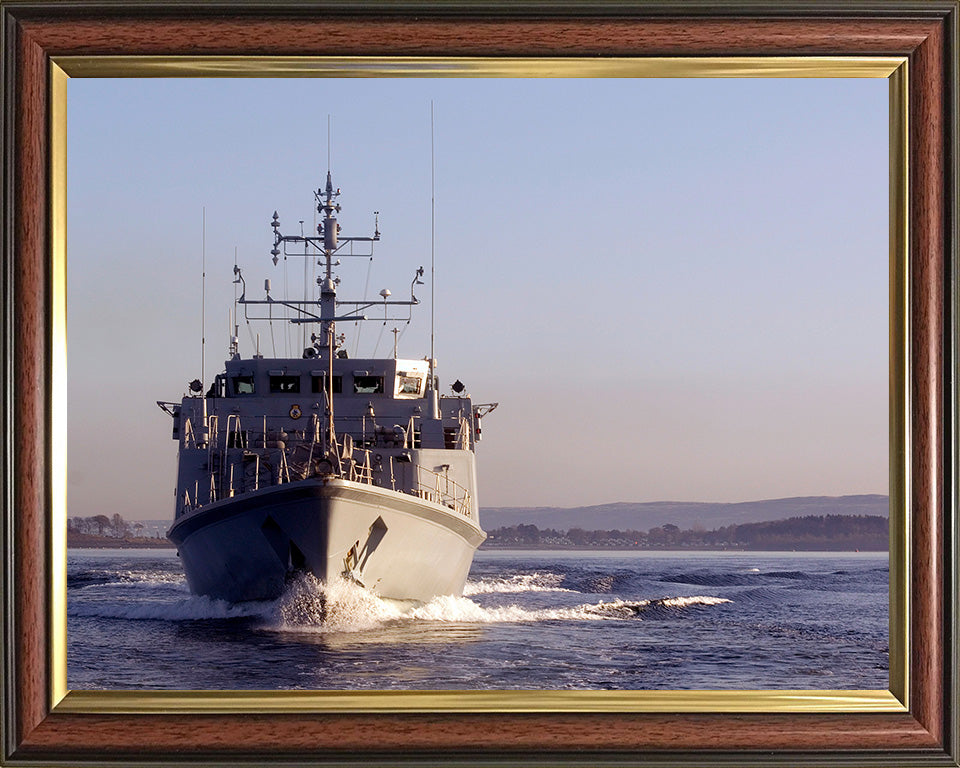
(524, 582)
(683, 602)
(342, 606)
(339, 606)
(463, 610)
(309, 605)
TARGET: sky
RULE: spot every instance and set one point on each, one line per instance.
(674, 289)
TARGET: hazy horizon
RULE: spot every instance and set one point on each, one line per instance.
(673, 288)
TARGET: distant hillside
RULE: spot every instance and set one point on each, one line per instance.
(812, 533)
(685, 515)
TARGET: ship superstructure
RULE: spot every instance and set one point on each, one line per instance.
(339, 466)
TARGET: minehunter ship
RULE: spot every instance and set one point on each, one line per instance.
(342, 467)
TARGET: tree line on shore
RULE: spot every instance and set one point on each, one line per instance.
(813, 532)
(823, 532)
(114, 527)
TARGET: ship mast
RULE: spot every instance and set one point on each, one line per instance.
(330, 229)
(328, 242)
(328, 293)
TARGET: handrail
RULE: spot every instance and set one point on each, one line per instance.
(451, 494)
(278, 457)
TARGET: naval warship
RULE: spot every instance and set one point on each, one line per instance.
(342, 467)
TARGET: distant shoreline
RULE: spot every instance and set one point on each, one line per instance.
(89, 541)
(811, 533)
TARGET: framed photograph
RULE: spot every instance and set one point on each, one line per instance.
(913, 51)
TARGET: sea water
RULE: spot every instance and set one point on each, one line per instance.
(526, 620)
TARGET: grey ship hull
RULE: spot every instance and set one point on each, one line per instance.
(398, 545)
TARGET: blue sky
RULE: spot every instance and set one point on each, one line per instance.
(676, 289)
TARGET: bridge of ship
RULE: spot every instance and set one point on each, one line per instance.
(268, 425)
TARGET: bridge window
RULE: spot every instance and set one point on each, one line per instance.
(367, 385)
(408, 385)
(319, 383)
(282, 384)
(243, 385)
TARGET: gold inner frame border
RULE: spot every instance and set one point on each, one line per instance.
(895, 699)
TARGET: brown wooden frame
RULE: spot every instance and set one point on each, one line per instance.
(925, 32)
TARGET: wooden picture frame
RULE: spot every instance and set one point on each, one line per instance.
(44, 40)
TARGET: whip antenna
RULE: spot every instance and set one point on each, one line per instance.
(203, 291)
(204, 429)
(434, 403)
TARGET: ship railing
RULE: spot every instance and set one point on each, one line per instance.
(304, 460)
(279, 456)
(241, 461)
(440, 489)
(357, 465)
(367, 433)
(457, 436)
(189, 438)
(361, 471)
(235, 436)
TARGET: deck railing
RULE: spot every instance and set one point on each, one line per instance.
(439, 488)
(242, 460)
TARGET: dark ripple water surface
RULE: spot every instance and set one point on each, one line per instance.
(530, 619)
